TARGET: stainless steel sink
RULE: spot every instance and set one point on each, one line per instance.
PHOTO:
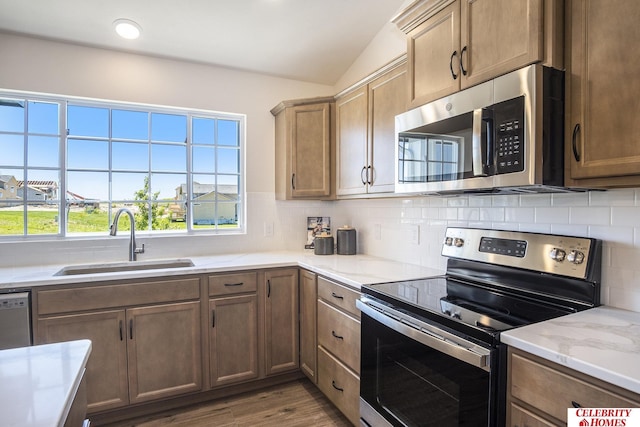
(73, 270)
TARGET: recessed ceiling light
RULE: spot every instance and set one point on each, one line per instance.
(127, 29)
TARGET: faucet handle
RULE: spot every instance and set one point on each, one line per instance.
(140, 250)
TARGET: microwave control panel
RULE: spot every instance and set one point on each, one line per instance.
(509, 135)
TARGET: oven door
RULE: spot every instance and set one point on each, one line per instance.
(413, 374)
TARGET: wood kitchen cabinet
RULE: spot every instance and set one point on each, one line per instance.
(145, 336)
(365, 132)
(539, 392)
(602, 93)
(339, 347)
(308, 324)
(303, 148)
(281, 320)
(233, 328)
(455, 44)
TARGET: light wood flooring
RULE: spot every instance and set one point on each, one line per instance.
(298, 403)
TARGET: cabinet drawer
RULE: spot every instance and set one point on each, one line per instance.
(340, 385)
(121, 295)
(225, 284)
(338, 295)
(522, 417)
(553, 390)
(339, 334)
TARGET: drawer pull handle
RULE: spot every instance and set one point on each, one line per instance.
(234, 284)
(336, 335)
(333, 383)
(333, 294)
(576, 404)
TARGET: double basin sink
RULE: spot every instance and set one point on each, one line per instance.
(114, 267)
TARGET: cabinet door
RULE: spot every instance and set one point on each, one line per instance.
(387, 98)
(604, 89)
(233, 339)
(107, 381)
(281, 323)
(352, 141)
(310, 133)
(498, 36)
(164, 352)
(433, 55)
(308, 324)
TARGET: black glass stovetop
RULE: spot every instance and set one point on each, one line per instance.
(471, 305)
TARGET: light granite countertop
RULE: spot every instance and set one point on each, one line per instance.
(38, 384)
(603, 342)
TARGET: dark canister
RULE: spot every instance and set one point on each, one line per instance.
(323, 244)
(346, 240)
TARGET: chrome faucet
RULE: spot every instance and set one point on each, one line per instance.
(113, 229)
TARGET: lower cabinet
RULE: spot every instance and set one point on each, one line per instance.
(539, 392)
(145, 337)
(308, 324)
(339, 346)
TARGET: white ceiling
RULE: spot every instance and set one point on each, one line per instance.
(309, 40)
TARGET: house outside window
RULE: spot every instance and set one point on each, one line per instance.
(179, 171)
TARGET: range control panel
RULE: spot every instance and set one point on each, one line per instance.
(550, 253)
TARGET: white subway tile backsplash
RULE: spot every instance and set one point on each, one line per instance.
(619, 236)
(625, 216)
(590, 215)
(519, 215)
(552, 215)
(505, 200)
(535, 200)
(570, 199)
(622, 197)
(570, 230)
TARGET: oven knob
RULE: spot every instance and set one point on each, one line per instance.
(448, 241)
(575, 257)
(557, 254)
(458, 242)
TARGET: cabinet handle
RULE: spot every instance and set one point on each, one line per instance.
(333, 383)
(213, 318)
(333, 294)
(576, 404)
(121, 330)
(574, 142)
(454, 75)
(131, 329)
(234, 284)
(370, 175)
(293, 181)
(464, 72)
(364, 168)
(336, 335)
(268, 288)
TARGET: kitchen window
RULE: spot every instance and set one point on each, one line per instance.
(73, 163)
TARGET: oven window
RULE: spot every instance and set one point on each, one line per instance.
(411, 384)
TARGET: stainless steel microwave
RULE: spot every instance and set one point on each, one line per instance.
(504, 135)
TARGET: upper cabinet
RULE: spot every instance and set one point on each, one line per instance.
(603, 86)
(303, 148)
(365, 132)
(455, 44)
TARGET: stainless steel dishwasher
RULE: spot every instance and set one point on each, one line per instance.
(15, 322)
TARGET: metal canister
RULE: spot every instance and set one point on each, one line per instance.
(346, 240)
(323, 244)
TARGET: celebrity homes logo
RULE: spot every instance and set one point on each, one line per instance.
(603, 417)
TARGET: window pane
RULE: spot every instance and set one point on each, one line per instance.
(43, 118)
(42, 218)
(228, 133)
(87, 187)
(88, 217)
(12, 150)
(130, 124)
(167, 185)
(130, 156)
(203, 159)
(168, 158)
(11, 217)
(43, 151)
(11, 115)
(129, 186)
(164, 214)
(228, 160)
(88, 121)
(202, 184)
(203, 131)
(87, 154)
(168, 127)
(42, 186)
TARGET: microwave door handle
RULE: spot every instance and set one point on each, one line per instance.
(489, 135)
(478, 145)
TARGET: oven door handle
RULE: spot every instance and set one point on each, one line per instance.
(457, 350)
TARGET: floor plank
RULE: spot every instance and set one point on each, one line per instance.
(295, 404)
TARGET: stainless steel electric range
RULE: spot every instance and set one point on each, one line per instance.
(431, 350)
